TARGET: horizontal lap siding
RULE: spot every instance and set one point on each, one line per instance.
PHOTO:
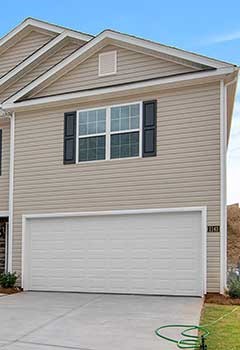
(186, 171)
(42, 67)
(22, 49)
(4, 178)
(131, 66)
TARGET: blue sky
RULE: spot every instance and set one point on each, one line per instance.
(208, 27)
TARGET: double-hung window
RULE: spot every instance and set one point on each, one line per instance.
(110, 132)
(92, 134)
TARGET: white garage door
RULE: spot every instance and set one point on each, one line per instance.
(153, 253)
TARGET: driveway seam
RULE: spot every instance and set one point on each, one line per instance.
(51, 321)
(54, 346)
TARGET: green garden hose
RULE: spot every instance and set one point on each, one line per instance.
(189, 341)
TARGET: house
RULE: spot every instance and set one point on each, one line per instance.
(113, 162)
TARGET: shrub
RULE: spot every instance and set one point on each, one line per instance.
(8, 279)
(234, 287)
(233, 273)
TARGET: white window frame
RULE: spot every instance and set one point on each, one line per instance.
(115, 63)
(108, 132)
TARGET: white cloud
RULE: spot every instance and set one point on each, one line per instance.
(223, 38)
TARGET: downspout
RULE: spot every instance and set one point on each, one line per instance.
(11, 184)
(11, 116)
(223, 160)
(233, 81)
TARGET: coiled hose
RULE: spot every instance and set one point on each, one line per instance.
(190, 341)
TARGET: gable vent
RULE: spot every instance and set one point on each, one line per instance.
(107, 63)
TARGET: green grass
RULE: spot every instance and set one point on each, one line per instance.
(225, 334)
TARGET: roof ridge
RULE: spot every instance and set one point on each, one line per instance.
(165, 45)
(56, 25)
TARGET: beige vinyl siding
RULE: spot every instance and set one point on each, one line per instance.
(22, 49)
(4, 178)
(42, 67)
(131, 66)
(186, 171)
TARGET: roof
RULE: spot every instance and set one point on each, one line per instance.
(59, 35)
(39, 24)
(93, 44)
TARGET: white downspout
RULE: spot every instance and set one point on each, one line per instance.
(11, 116)
(11, 184)
(223, 148)
(223, 194)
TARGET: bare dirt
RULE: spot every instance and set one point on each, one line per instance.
(214, 298)
(10, 290)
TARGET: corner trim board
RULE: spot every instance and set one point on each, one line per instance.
(223, 194)
(11, 184)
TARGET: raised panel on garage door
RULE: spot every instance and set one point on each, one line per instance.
(157, 253)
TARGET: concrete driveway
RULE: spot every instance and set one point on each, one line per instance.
(57, 321)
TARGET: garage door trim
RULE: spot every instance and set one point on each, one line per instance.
(202, 210)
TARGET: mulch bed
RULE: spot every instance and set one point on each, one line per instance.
(10, 290)
(214, 298)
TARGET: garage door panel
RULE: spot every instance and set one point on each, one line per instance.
(186, 265)
(159, 253)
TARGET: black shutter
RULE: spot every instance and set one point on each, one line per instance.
(0, 152)
(149, 128)
(70, 120)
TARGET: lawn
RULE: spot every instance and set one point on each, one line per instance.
(225, 334)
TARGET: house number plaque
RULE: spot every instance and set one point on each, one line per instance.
(213, 229)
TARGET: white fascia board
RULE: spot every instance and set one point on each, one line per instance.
(26, 23)
(38, 54)
(56, 68)
(188, 78)
(76, 35)
(57, 29)
(185, 55)
(45, 26)
(124, 38)
(13, 32)
(32, 58)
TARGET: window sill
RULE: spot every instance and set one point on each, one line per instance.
(107, 160)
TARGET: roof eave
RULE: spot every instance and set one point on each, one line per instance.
(120, 90)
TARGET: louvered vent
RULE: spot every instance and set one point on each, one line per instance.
(107, 63)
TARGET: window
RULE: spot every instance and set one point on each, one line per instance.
(109, 133)
(107, 63)
(125, 131)
(92, 136)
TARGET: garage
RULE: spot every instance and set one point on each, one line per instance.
(135, 252)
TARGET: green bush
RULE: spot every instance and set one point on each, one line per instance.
(8, 279)
(234, 287)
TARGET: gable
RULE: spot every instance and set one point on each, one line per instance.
(19, 51)
(132, 66)
(45, 64)
(77, 79)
